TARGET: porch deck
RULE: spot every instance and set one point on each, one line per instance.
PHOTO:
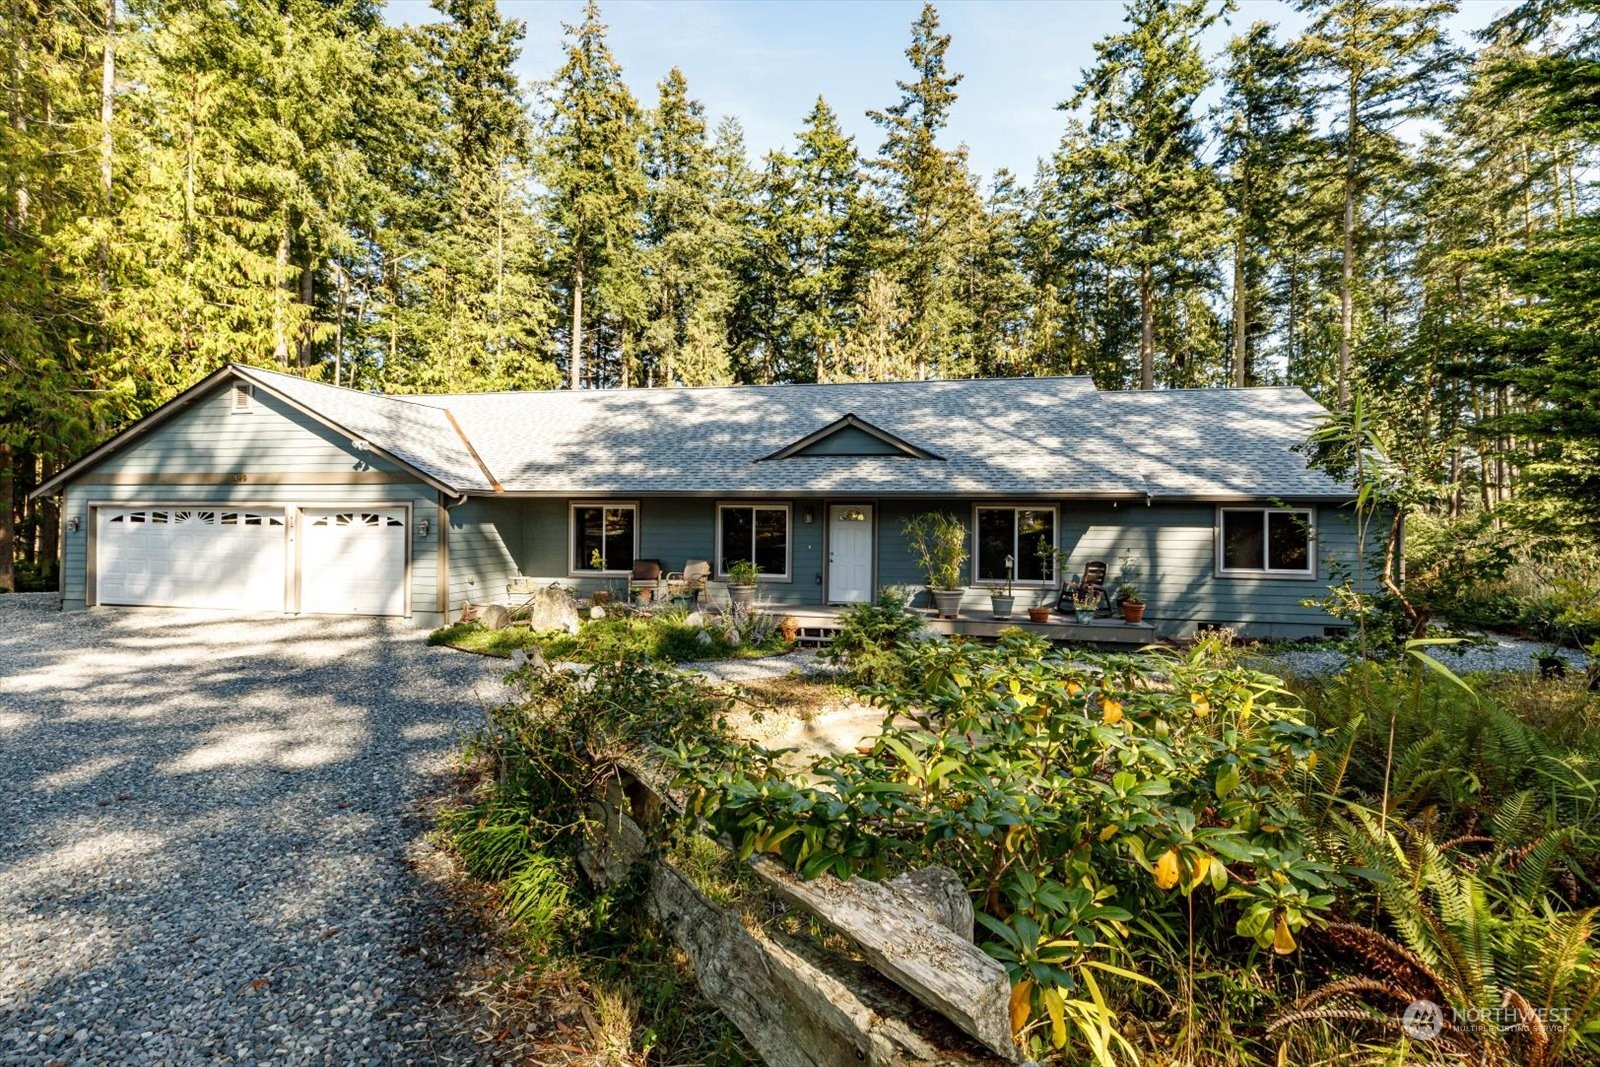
(819, 622)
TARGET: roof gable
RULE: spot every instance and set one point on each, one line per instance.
(851, 436)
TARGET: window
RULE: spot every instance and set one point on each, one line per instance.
(757, 533)
(1018, 532)
(1266, 541)
(605, 538)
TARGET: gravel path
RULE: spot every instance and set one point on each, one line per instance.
(805, 662)
(212, 838)
(1494, 652)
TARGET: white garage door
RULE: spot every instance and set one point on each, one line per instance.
(353, 562)
(206, 556)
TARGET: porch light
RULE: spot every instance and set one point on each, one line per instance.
(808, 516)
(422, 527)
(73, 523)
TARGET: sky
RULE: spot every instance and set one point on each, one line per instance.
(765, 61)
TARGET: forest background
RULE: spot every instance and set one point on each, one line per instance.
(1367, 208)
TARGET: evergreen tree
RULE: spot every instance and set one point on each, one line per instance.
(928, 194)
(481, 318)
(686, 247)
(1385, 62)
(590, 165)
(817, 224)
(1143, 128)
(1265, 132)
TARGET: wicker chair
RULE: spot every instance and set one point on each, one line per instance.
(690, 582)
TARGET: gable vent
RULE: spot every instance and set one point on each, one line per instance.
(243, 397)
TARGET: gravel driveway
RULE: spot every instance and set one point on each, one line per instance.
(211, 835)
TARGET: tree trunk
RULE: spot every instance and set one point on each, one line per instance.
(108, 78)
(1241, 368)
(280, 329)
(1348, 268)
(49, 512)
(8, 580)
(308, 296)
(1147, 329)
(575, 360)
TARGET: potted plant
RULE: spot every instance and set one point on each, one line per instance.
(1002, 598)
(1040, 612)
(938, 542)
(1085, 602)
(1132, 603)
(742, 579)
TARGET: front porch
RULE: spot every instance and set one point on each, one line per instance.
(819, 622)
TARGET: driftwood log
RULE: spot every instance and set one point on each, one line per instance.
(915, 931)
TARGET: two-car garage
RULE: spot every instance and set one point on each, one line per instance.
(323, 560)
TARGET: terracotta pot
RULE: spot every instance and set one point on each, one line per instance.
(1038, 614)
(1132, 611)
(601, 596)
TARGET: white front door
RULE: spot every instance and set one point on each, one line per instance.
(194, 556)
(849, 553)
(353, 561)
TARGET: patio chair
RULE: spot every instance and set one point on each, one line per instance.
(687, 584)
(1093, 582)
(646, 575)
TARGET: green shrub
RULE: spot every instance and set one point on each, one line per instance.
(660, 637)
(1081, 797)
(871, 637)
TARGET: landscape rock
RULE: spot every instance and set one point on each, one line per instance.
(553, 608)
(494, 617)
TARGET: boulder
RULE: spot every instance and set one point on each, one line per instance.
(597, 612)
(552, 608)
(494, 617)
(695, 621)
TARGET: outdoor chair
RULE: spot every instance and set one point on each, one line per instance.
(1092, 582)
(687, 584)
(646, 575)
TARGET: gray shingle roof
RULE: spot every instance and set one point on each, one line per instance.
(1018, 437)
(417, 434)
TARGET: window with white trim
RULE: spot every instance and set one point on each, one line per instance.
(1266, 541)
(1019, 531)
(755, 533)
(604, 537)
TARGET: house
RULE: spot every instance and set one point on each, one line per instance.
(262, 491)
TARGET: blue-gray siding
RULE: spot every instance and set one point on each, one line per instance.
(1174, 545)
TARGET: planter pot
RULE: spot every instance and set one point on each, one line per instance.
(742, 595)
(642, 596)
(1039, 614)
(1002, 606)
(1132, 611)
(1086, 615)
(601, 596)
(947, 602)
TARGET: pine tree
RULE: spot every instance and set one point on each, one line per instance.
(927, 191)
(817, 224)
(1385, 62)
(481, 318)
(686, 247)
(1265, 132)
(1141, 94)
(590, 165)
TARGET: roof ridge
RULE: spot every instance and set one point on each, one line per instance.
(668, 389)
(398, 398)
